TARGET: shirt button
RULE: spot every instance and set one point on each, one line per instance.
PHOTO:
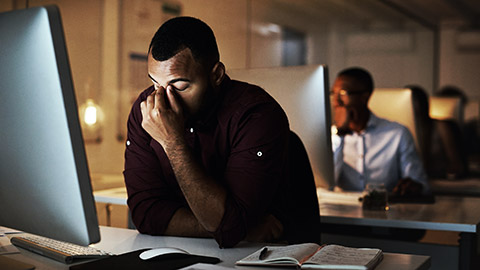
(259, 153)
(128, 143)
(191, 130)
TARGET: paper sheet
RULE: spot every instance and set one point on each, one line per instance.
(206, 266)
(6, 247)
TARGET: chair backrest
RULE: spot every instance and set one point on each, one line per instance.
(448, 113)
(396, 104)
(303, 209)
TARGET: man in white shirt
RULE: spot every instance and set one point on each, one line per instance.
(369, 149)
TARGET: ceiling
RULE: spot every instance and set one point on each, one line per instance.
(434, 12)
(429, 13)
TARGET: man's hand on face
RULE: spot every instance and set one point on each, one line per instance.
(342, 117)
(163, 117)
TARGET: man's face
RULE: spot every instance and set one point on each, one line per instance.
(187, 77)
(347, 93)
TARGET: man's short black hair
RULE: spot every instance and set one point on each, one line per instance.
(185, 32)
(361, 76)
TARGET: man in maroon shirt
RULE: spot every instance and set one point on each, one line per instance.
(206, 156)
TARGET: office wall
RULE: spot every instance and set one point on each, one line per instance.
(395, 57)
(83, 23)
(101, 33)
(460, 58)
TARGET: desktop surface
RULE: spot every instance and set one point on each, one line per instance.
(469, 186)
(345, 208)
(118, 241)
(448, 214)
(335, 208)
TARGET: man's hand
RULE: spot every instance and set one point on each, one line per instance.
(408, 188)
(342, 117)
(163, 117)
(270, 229)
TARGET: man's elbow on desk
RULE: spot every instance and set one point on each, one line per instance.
(183, 223)
(180, 221)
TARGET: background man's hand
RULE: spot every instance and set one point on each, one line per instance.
(163, 117)
(407, 187)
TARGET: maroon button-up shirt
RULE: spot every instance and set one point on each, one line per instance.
(242, 144)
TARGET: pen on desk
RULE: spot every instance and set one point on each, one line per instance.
(263, 253)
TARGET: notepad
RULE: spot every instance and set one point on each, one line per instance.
(314, 256)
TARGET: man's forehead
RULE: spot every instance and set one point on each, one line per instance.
(182, 58)
(181, 64)
(348, 83)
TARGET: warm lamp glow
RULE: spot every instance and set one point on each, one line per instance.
(90, 116)
(91, 120)
(90, 113)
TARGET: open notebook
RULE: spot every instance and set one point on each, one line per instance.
(314, 256)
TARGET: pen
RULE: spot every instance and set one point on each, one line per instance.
(263, 253)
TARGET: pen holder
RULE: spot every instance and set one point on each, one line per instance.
(375, 197)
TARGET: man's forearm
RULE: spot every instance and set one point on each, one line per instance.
(184, 223)
(205, 197)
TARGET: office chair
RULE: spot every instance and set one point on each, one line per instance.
(303, 208)
(447, 113)
(423, 125)
(451, 137)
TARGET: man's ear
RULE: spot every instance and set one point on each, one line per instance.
(365, 97)
(217, 74)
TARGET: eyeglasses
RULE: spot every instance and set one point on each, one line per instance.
(344, 93)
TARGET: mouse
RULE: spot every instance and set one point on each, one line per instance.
(159, 251)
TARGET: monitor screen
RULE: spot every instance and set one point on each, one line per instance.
(45, 185)
(445, 108)
(303, 93)
(395, 104)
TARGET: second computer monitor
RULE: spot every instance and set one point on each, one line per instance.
(303, 93)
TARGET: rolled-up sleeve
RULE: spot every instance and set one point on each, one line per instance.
(255, 170)
(245, 150)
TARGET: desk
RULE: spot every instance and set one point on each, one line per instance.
(346, 209)
(458, 187)
(457, 214)
(117, 241)
(116, 195)
(111, 196)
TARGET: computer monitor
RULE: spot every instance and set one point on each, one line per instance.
(446, 108)
(395, 104)
(45, 185)
(303, 93)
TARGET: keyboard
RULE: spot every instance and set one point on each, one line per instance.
(60, 251)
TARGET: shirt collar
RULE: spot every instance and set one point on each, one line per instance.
(373, 121)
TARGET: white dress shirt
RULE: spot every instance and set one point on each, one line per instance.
(384, 152)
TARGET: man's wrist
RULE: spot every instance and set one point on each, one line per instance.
(176, 147)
